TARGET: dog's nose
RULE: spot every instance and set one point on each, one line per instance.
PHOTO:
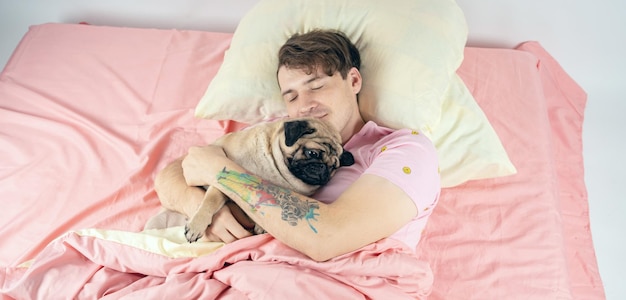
(316, 169)
(312, 173)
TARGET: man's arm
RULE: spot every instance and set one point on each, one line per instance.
(175, 194)
(173, 191)
(370, 209)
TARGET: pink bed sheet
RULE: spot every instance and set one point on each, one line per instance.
(524, 236)
(88, 115)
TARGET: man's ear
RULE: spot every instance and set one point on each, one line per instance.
(294, 130)
(355, 80)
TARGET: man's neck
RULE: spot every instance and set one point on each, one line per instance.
(352, 128)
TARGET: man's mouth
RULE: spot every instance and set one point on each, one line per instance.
(320, 116)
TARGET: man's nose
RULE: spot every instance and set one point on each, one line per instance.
(308, 106)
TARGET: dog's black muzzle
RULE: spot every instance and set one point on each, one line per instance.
(310, 171)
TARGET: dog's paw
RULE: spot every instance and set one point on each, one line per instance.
(194, 230)
(258, 229)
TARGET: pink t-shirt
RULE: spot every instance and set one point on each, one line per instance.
(404, 157)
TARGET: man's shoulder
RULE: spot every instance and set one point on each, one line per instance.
(374, 134)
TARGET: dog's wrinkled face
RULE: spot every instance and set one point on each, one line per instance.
(313, 150)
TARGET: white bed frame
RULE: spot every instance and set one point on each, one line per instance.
(587, 38)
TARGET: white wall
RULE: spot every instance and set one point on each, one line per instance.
(586, 37)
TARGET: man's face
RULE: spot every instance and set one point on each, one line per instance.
(318, 95)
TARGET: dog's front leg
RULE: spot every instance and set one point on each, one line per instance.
(198, 223)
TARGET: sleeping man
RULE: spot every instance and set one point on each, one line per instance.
(389, 191)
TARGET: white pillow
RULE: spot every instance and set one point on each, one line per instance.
(467, 146)
(410, 51)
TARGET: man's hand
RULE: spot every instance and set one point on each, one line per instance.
(201, 164)
(228, 225)
(199, 167)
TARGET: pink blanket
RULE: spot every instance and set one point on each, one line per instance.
(80, 266)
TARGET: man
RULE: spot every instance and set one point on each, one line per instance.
(388, 192)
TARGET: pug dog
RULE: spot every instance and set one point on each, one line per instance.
(297, 154)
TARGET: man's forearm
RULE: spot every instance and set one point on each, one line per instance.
(173, 191)
(255, 194)
(292, 218)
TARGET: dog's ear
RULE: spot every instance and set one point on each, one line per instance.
(294, 130)
(346, 159)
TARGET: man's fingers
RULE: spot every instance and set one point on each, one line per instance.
(225, 227)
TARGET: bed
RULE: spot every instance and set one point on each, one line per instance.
(89, 114)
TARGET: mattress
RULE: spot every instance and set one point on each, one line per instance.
(89, 115)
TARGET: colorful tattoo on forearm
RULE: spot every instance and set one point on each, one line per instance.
(258, 192)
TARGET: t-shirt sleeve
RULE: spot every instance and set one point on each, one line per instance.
(409, 160)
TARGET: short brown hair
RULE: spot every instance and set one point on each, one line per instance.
(330, 50)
